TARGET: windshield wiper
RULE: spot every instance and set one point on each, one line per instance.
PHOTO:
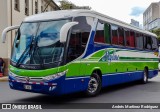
(22, 56)
(36, 47)
(37, 51)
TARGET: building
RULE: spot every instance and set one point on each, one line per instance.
(13, 12)
(134, 23)
(151, 16)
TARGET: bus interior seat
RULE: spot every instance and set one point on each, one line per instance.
(115, 40)
(46, 54)
(130, 41)
(121, 40)
(99, 37)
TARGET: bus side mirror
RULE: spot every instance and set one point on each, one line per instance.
(6, 30)
(64, 31)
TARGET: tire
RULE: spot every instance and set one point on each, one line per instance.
(94, 85)
(145, 77)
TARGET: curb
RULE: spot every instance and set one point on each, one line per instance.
(4, 79)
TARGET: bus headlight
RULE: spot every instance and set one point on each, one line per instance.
(55, 76)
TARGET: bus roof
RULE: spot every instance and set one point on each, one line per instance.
(81, 12)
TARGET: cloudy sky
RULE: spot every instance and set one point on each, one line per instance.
(124, 10)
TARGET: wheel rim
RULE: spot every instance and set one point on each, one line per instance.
(92, 85)
(145, 77)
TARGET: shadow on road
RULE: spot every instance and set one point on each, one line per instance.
(70, 98)
(123, 86)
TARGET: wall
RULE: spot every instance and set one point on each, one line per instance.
(155, 11)
(3, 24)
(9, 17)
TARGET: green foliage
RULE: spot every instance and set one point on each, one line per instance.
(157, 32)
(64, 4)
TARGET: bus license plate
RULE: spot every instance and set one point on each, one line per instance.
(28, 87)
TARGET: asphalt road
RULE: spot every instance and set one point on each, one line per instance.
(125, 93)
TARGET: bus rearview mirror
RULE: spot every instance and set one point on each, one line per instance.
(64, 31)
(6, 30)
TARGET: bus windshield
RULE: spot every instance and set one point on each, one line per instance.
(38, 43)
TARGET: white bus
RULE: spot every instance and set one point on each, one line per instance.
(68, 51)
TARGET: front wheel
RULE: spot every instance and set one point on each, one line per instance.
(94, 85)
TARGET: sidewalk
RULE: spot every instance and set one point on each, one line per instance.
(4, 79)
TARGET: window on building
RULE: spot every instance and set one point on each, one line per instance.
(152, 25)
(139, 41)
(156, 23)
(114, 30)
(41, 8)
(16, 5)
(36, 7)
(27, 7)
(52, 8)
(42, 4)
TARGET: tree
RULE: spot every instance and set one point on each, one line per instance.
(64, 4)
(157, 32)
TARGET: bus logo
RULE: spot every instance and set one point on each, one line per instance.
(110, 56)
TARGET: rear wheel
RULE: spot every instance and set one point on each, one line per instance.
(145, 76)
(94, 85)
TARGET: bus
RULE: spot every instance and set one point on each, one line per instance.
(67, 51)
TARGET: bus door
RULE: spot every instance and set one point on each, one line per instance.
(77, 44)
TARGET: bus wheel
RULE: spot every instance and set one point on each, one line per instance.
(94, 85)
(145, 76)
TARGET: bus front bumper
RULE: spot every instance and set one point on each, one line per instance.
(52, 87)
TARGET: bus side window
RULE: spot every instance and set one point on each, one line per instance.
(103, 33)
(154, 43)
(79, 37)
(127, 35)
(114, 30)
(99, 36)
(132, 39)
(121, 36)
(139, 41)
(147, 42)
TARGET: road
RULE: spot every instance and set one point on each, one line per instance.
(125, 93)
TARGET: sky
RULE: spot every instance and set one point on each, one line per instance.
(123, 10)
